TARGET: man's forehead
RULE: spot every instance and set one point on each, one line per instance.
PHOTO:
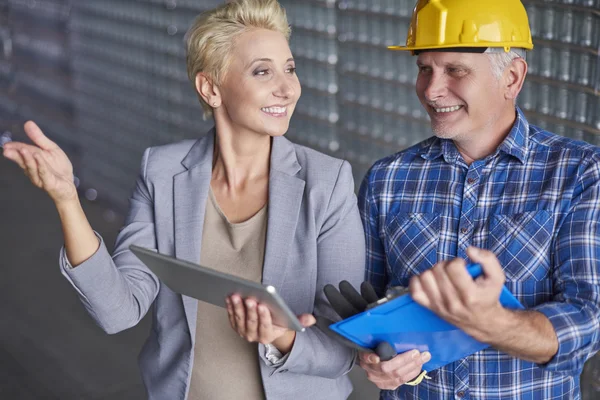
(448, 57)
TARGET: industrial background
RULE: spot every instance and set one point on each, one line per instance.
(106, 78)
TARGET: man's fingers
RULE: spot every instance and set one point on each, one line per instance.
(37, 136)
(409, 359)
(417, 293)
(368, 358)
(430, 287)
(490, 265)
(393, 373)
(449, 295)
(371, 368)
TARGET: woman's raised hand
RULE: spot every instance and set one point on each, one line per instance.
(44, 163)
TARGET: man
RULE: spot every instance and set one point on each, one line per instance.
(492, 189)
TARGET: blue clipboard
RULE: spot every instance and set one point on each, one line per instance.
(407, 325)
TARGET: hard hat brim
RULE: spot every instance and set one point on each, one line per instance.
(461, 46)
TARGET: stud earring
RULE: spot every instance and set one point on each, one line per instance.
(215, 104)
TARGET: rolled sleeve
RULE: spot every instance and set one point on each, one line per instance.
(575, 309)
(577, 329)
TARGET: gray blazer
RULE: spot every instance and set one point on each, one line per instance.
(314, 237)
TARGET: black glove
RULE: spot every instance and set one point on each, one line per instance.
(348, 302)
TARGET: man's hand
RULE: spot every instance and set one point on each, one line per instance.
(449, 291)
(388, 375)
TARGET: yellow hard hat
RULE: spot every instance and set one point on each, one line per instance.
(472, 25)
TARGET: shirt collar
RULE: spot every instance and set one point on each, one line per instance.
(515, 143)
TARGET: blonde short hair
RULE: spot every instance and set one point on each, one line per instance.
(211, 38)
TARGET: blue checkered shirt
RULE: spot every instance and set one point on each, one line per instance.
(534, 203)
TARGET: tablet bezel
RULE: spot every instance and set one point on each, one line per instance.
(212, 286)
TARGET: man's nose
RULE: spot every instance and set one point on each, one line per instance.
(436, 87)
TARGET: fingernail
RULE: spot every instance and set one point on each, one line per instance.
(425, 357)
(414, 354)
(235, 300)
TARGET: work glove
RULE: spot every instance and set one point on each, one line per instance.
(347, 302)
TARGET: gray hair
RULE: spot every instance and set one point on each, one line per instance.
(500, 59)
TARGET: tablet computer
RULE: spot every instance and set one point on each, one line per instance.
(406, 325)
(213, 287)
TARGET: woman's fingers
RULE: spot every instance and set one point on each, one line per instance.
(230, 313)
(239, 314)
(31, 169)
(46, 177)
(307, 320)
(265, 326)
(37, 136)
(251, 320)
(14, 156)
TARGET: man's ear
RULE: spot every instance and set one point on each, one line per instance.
(207, 90)
(514, 76)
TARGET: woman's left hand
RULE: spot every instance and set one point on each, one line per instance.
(252, 321)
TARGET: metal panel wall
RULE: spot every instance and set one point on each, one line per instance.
(131, 87)
(562, 90)
(34, 68)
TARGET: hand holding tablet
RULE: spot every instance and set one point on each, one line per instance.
(214, 287)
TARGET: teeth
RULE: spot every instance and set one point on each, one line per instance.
(447, 109)
(274, 110)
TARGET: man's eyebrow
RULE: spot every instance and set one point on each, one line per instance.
(450, 64)
(457, 64)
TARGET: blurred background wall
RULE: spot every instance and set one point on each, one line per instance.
(106, 78)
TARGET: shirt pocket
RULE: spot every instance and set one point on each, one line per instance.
(411, 241)
(522, 242)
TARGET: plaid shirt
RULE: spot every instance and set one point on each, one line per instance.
(535, 204)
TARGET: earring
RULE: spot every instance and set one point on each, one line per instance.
(215, 104)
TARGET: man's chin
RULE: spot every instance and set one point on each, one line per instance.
(444, 133)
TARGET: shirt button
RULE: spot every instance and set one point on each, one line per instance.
(471, 181)
(460, 394)
(463, 230)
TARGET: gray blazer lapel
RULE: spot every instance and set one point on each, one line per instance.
(285, 197)
(190, 191)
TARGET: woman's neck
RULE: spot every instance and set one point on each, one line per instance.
(240, 159)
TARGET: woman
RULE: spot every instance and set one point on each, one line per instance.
(241, 199)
